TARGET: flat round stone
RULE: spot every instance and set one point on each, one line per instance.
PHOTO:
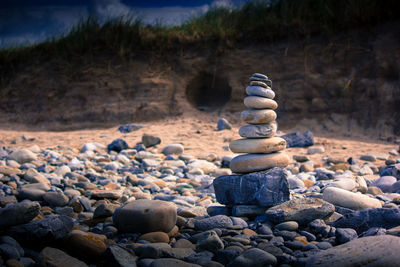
(258, 162)
(259, 130)
(259, 76)
(261, 116)
(260, 145)
(255, 90)
(258, 102)
(259, 83)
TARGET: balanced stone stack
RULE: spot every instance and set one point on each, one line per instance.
(263, 150)
(261, 181)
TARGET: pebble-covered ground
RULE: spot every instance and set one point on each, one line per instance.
(152, 204)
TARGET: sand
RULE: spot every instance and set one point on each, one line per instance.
(198, 135)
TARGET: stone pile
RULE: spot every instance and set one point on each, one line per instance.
(262, 149)
(262, 181)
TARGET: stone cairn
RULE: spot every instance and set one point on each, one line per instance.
(262, 148)
(261, 180)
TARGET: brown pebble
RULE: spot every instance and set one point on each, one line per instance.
(302, 239)
(184, 243)
(14, 263)
(174, 232)
(373, 190)
(308, 183)
(155, 237)
(249, 232)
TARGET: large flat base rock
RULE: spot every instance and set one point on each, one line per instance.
(370, 251)
(265, 188)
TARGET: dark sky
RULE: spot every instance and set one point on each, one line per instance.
(32, 21)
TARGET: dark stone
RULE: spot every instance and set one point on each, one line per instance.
(45, 230)
(344, 235)
(351, 161)
(171, 263)
(362, 220)
(226, 256)
(218, 221)
(298, 139)
(8, 251)
(392, 170)
(203, 256)
(302, 210)
(150, 140)
(153, 251)
(374, 231)
(253, 257)
(223, 124)
(119, 257)
(265, 188)
(18, 213)
(117, 145)
(127, 128)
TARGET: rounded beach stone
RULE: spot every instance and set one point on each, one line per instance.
(258, 162)
(258, 77)
(347, 199)
(55, 257)
(259, 130)
(260, 83)
(144, 216)
(173, 149)
(260, 145)
(261, 116)
(258, 102)
(254, 90)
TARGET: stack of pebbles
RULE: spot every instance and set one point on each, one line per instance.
(263, 150)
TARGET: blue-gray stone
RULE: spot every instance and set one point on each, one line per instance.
(392, 170)
(366, 251)
(150, 140)
(127, 128)
(119, 257)
(324, 245)
(265, 188)
(223, 124)
(218, 221)
(259, 76)
(253, 257)
(258, 130)
(48, 229)
(218, 210)
(303, 210)
(385, 183)
(239, 221)
(374, 231)
(8, 251)
(255, 90)
(226, 256)
(351, 161)
(344, 235)
(117, 145)
(18, 213)
(362, 220)
(298, 139)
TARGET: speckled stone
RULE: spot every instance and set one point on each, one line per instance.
(258, 131)
(253, 116)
